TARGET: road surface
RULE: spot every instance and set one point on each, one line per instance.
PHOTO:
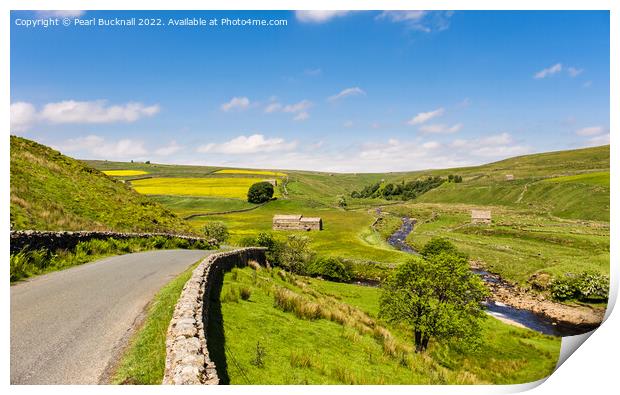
(68, 326)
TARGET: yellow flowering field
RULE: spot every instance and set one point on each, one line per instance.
(250, 171)
(216, 186)
(124, 173)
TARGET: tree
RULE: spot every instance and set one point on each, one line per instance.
(439, 297)
(296, 253)
(216, 230)
(342, 202)
(260, 192)
(436, 246)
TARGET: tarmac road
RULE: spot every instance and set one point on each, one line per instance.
(68, 327)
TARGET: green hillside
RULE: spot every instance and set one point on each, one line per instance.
(50, 191)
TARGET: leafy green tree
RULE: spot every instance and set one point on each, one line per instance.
(439, 298)
(260, 192)
(330, 268)
(436, 246)
(216, 230)
(342, 202)
(295, 253)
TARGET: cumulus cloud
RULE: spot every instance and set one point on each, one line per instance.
(602, 139)
(424, 21)
(422, 117)
(24, 115)
(574, 72)
(256, 143)
(302, 116)
(556, 68)
(236, 103)
(167, 150)
(318, 16)
(354, 91)
(96, 147)
(59, 13)
(441, 128)
(590, 131)
(300, 109)
(71, 111)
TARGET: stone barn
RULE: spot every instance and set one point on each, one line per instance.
(480, 216)
(296, 222)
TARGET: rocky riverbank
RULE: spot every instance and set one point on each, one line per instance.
(582, 316)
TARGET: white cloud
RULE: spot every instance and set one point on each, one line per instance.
(354, 91)
(348, 124)
(60, 13)
(71, 111)
(587, 84)
(441, 128)
(24, 115)
(302, 116)
(317, 16)
(96, 147)
(424, 21)
(297, 107)
(167, 150)
(425, 116)
(603, 139)
(556, 68)
(590, 131)
(256, 143)
(240, 103)
(574, 72)
(273, 107)
(313, 72)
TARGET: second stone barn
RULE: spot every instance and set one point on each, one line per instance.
(296, 222)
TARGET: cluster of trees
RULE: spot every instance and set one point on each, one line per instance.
(294, 254)
(404, 190)
(437, 296)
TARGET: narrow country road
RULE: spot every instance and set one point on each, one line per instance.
(67, 326)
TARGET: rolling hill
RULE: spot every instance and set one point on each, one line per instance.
(50, 191)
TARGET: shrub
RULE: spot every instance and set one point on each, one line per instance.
(587, 286)
(259, 356)
(300, 360)
(330, 268)
(245, 293)
(260, 192)
(436, 246)
(295, 253)
(216, 230)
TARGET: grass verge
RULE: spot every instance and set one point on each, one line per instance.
(144, 359)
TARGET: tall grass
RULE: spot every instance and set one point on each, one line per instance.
(27, 263)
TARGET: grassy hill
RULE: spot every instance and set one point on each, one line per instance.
(50, 191)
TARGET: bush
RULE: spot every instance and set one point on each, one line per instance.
(330, 268)
(295, 254)
(587, 286)
(245, 293)
(217, 231)
(436, 246)
(260, 192)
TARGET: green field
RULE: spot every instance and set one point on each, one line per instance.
(597, 178)
(551, 219)
(251, 172)
(357, 349)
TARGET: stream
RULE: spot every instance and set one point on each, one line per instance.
(527, 318)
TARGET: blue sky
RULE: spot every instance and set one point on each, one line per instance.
(333, 91)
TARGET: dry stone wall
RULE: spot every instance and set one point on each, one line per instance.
(34, 240)
(187, 355)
